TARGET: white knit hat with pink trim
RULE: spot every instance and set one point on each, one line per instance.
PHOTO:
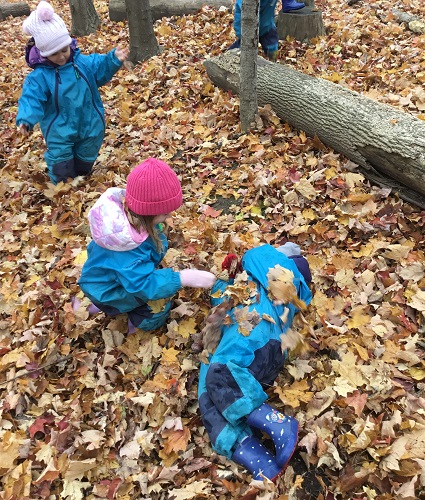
(48, 29)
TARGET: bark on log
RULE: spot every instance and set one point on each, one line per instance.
(387, 144)
(164, 8)
(14, 10)
(411, 22)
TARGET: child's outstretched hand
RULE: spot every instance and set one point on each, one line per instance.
(121, 53)
(196, 278)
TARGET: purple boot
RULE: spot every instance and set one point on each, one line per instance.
(282, 429)
(290, 5)
(257, 459)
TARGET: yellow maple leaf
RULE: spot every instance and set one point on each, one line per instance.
(175, 440)
(168, 459)
(187, 327)
(295, 394)
(417, 373)
(169, 355)
(157, 305)
(9, 451)
(81, 258)
(358, 318)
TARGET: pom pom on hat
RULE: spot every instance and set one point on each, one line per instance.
(153, 188)
(48, 29)
(45, 11)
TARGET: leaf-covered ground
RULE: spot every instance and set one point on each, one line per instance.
(90, 412)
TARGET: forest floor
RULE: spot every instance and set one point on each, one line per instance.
(89, 412)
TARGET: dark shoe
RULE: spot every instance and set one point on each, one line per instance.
(82, 167)
(272, 56)
(289, 5)
(62, 171)
(282, 429)
(235, 45)
(257, 459)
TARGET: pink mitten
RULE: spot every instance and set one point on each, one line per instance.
(196, 278)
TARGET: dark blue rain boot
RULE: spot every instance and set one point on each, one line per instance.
(257, 459)
(290, 5)
(282, 429)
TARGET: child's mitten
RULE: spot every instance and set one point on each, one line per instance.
(196, 278)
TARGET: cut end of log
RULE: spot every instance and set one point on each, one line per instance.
(14, 9)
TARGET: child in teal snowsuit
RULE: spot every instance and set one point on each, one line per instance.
(61, 93)
(231, 392)
(123, 272)
(267, 31)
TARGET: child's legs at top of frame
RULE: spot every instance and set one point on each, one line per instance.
(237, 20)
(270, 42)
(82, 167)
(236, 44)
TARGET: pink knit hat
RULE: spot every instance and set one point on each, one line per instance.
(48, 29)
(153, 189)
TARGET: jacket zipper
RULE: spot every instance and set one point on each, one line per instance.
(57, 82)
(78, 75)
(92, 97)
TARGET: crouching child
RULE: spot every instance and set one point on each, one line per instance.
(235, 373)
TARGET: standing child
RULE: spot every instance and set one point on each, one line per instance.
(232, 397)
(62, 94)
(267, 30)
(122, 273)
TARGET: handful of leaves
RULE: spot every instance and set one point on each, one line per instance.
(207, 340)
(282, 289)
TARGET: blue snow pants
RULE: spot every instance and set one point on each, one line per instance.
(232, 385)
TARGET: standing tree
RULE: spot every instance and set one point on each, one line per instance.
(248, 65)
(143, 42)
(84, 17)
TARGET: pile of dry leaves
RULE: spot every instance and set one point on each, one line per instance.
(89, 412)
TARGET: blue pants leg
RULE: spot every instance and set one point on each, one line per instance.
(270, 41)
(224, 435)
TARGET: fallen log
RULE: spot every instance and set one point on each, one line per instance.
(410, 21)
(14, 9)
(413, 23)
(162, 8)
(387, 144)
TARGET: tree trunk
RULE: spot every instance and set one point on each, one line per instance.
(84, 17)
(382, 140)
(248, 69)
(14, 10)
(166, 8)
(303, 24)
(143, 42)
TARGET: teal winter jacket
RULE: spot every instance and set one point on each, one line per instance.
(65, 100)
(122, 273)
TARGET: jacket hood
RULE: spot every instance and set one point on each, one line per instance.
(34, 58)
(259, 260)
(109, 225)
